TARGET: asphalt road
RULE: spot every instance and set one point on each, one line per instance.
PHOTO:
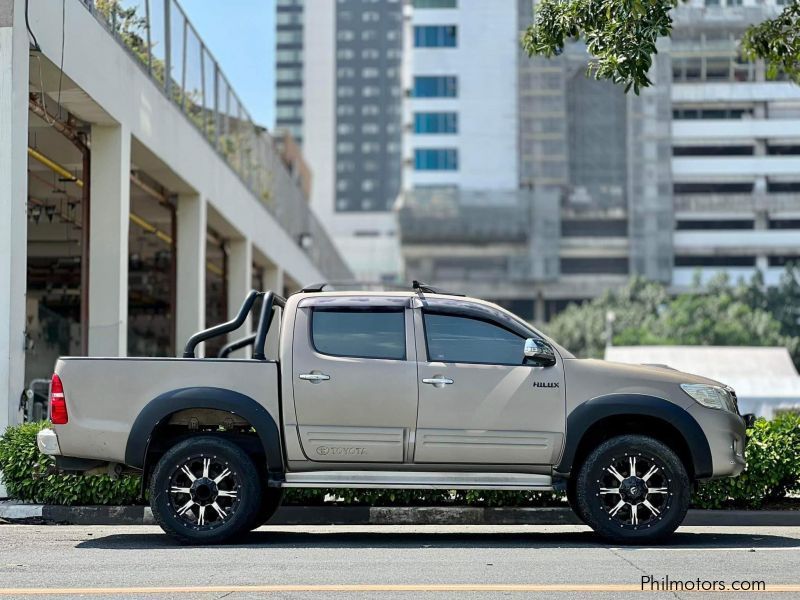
(386, 562)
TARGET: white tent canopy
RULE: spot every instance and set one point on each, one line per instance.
(765, 379)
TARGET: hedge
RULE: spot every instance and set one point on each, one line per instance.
(773, 472)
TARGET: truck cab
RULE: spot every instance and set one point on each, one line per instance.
(405, 389)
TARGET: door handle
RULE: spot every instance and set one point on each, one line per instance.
(438, 380)
(314, 377)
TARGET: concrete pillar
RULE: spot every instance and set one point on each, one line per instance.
(190, 314)
(13, 209)
(240, 282)
(273, 280)
(108, 243)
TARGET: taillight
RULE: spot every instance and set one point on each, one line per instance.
(58, 403)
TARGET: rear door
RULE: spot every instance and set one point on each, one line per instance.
(479, 402)
(354, 378)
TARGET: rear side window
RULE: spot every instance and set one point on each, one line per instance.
(360, 333)
(452, 338)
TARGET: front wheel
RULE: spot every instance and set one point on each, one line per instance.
(205, 490)
(633, 489)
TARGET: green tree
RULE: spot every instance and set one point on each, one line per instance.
(621, 36)
(581, 328)
(717, 314)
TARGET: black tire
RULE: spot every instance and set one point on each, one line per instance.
(271, 499)
(615, 502)
(205, 490)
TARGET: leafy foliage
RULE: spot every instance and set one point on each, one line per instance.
(621, 36)
(27, 474)
(716, 314)
(773, 468)
(777, 41)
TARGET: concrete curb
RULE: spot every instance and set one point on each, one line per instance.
(364, 515)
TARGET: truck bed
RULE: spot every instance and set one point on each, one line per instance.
(105, 395)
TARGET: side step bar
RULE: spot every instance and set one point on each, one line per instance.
(419, 480)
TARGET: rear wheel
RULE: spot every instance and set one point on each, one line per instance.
(205, 490)
(633, 489)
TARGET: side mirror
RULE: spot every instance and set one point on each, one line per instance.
(539, 352)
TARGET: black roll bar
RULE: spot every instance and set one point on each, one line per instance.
(271, 299)
(235, 345)
(223, 328)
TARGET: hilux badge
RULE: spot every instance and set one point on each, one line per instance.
(546, 384)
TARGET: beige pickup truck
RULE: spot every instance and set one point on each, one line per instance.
(411, 389)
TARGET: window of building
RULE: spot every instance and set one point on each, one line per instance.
(289, 93)
(435, 4)
(783, 186)
(370, 128)
(289, 18)
(782, 261)
(783, 149)
(345, 110)
(288, 74)
(289, 56)
(359, 333)
(345, 91)
(289, 112)
(594, 228)
(713, 113)
(435, 86)
(715, 261)
(712, 150)
(784, 223)
(436, 159)
(294, 36)
(435, 36)
(370, 54)
(435, 122)
(713, 188)
(718, 224)
(457, 339)
(369, 147)
(595, 266)
(370, 110)
(370, 72)
(345, 35)
(370, 91)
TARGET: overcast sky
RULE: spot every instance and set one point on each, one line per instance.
(241, 36)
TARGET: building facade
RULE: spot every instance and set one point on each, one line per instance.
(136, 205)
(537, 186)
(338, 91)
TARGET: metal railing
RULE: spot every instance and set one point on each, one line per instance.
(160, 37)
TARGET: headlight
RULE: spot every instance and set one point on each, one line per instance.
(712, 396)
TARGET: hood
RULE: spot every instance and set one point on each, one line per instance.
(589, 377)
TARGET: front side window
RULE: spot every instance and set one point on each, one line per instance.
(452, 338)
(360, 333)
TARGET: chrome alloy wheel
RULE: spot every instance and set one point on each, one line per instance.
(634, 491)
(203, 492)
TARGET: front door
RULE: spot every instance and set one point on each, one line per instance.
(478, 400)
(354, 378)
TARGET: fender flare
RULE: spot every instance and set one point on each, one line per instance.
(161, 407)
(589, 413)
